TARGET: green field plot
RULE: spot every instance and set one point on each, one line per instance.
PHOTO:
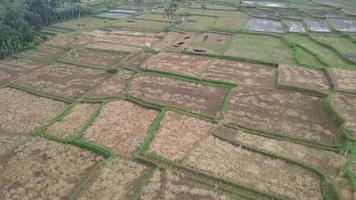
(230, 24)
(260, 47)
(305, 58)
(85, 23)
(342, 44)
(197, 23)
(329, 56)
(154, 17)
(146, 25)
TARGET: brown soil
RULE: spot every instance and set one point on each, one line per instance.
(327, 161)
(114, 180)
(113, 47)
(302, 78)
(166, 184)
(113, 87)
(121, 127)
(63, 79)
(43, 169)
(177, 134)
(9, 142)
(71, 124)
(45, 52)
(345, 80)
(345, 189)
(256, 170)
(242, 73)
(136, 60)
(196, 97)
(290, 114)
(93, 57)
(178, 63)
(70, 40)
(346, 106)
(213, 38)
(22, 113)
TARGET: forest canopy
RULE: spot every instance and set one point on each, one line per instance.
(21, 21)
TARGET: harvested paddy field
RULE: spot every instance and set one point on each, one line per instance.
(199, 98)
(256, 170)
(241, 73)
(62, 79)
(344, 80)
(303, 79)
(175, 146)
(245, 100)
(93, 57)
(177, 63)
(17, 109)
(284, 113)
(120, 127)
(43, 169)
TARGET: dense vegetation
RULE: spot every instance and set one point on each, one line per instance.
(21, 21)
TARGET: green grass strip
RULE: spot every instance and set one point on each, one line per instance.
(153, 129)
(92, 147)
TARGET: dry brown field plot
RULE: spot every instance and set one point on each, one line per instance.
(9, 142)
(108, 46)
(62, 79)
(112, 87)
(326, 161)
(213, 38)
(255, 170)
(242, 73)
(166, 184)
(298, 78)
(284, 113)
(203, 99)
(13, 68)
(22, 113)
(345, 104)
(121, 127)
(45, 52)
(176, 40)
(115, 180)
(72, 123)
(70, 40)
(93, 57)
(43, 169)
(177, 134)
(136, 60)
(344, 80)
(178, 63)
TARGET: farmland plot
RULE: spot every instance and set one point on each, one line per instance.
(303, 79)
(242, 73)
(44, 169)
(177, 63)
(346, 106)
(284, 113)
(344, 80)
(196, 97)
(264, 25)
(256, 170)
(45, 52)
(177, 134)
(9, 142)
(61, 79)
(17, 109)
(120, 127)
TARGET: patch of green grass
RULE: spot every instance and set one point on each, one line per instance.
(306, 59)
(157, 17)
(327, 55)
(342, 44)
(230, 24)
(197, 23)
(85, 23)
(146, 25)
(260, 47)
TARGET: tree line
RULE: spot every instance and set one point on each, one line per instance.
(22, 20)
